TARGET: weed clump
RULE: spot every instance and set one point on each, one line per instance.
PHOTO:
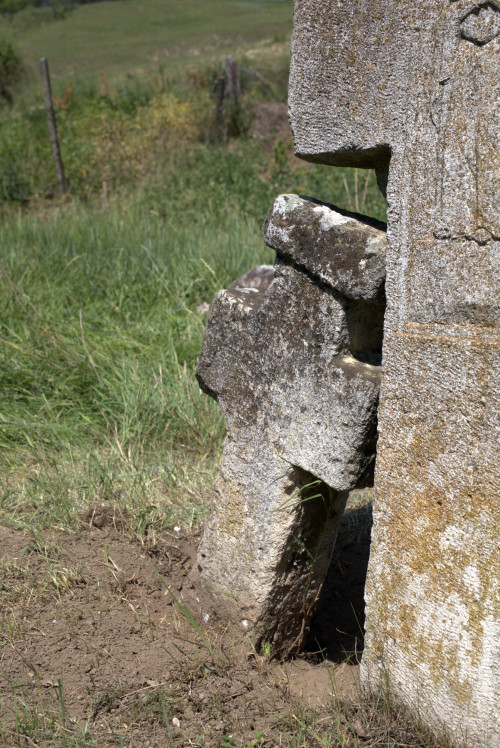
(11, 67)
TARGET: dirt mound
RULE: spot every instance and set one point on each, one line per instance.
(107, 639)
(105, 635)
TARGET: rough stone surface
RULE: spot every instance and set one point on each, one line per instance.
(413, 90)
(263, 535)
(300, 397)
(259, 277)
(330, 244)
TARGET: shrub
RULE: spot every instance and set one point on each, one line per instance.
(9, 7)
(11, 67)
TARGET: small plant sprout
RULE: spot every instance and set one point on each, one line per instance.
(265, 649)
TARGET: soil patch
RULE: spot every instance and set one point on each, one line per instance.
(109, 640)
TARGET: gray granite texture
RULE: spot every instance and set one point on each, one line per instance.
(295, 368)
(412, 89)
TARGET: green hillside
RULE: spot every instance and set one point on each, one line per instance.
(120, 37)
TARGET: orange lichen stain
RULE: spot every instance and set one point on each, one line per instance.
(435, 555)
(231, 511)
(401, 622)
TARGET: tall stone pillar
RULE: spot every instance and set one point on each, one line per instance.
(412, 89)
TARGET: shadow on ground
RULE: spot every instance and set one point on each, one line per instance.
(337, 629)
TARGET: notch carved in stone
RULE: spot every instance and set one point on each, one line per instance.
(481, 25)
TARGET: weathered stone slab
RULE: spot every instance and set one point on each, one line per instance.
(334, 246)
(286, 365)
(413, 90)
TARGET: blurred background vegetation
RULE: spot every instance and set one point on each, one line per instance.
(104, 289)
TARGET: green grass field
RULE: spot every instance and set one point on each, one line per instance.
(121, 37)
(100, 333)
(99, 328)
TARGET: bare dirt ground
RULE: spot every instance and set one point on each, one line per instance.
(108, 640)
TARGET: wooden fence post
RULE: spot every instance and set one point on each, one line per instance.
(51, 117)
(233, 83)
(220, 124)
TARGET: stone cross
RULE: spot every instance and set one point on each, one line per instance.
(295, 366)
(412, 89)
